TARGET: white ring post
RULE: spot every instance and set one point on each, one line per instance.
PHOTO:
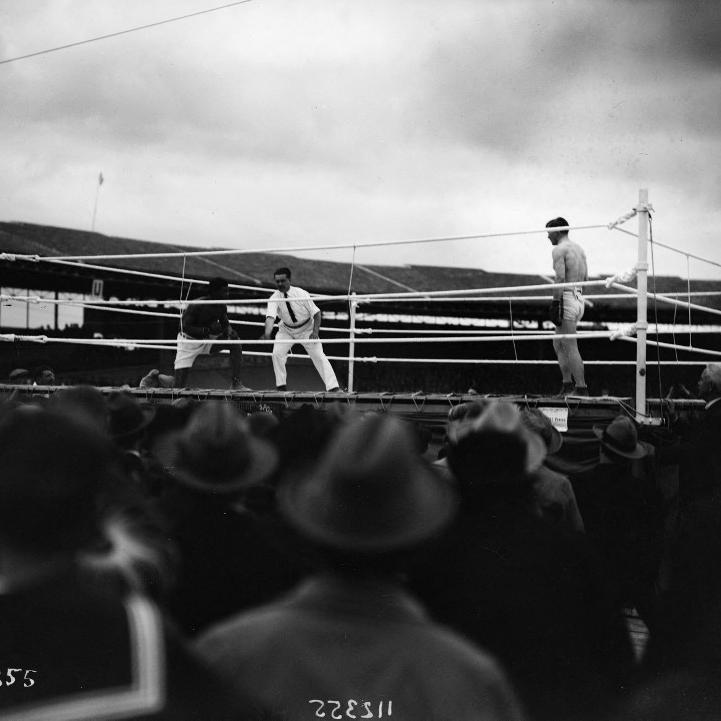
(351, 348)
(642, 307)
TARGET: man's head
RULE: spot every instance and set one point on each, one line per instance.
(709, 384)
(555, 236)
(20, 376)
(44, 376)
(54, 468)
(282, 279)
(218, 288)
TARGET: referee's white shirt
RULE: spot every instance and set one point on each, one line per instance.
(303, 307)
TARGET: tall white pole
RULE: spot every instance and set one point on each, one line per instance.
(351, 350)
(642, 307)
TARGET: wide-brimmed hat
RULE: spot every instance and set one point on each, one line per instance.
(216, 452)
(620, 437)
(498, 431)
(538, 422)
(126, 416)
(84, 403)
(370, 492)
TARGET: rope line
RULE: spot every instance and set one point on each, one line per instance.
(380, 341)
(146, 274)
(177, 279)
(297, 249)
(673, 249)
(690, 349)
(120, 32)
(667, 299)
(366, 297)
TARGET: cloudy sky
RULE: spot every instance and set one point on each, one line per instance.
(282, 123)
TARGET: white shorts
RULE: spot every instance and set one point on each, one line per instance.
(189, 349)
(573, 305)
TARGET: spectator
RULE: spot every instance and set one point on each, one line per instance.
(44, 375)
(555, 499)
(83, 403)
(85, 651)
(623, 513)
(226, 562)
(690, 608)
(351, 635)
(530, 592)
(701, 462)
(20, 377)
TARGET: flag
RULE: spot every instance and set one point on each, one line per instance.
(101, 180)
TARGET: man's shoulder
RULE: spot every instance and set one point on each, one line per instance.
(558, 251)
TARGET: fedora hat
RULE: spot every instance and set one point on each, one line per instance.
(370, 493)
(620, 437)
(538, 422)
(216, 452)
(498, 434)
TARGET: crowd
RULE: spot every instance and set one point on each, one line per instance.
(189, 561)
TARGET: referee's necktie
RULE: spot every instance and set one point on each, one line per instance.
(290, 310)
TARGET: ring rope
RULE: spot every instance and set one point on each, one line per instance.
(673, 249)
(661, 344)
(307, 248)
(172, 343)
(666, 299)
(228, 342)
(365, 297)
(331, 329)
(146, 274)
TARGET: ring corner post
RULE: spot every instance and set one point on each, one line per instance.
(642, 304)
(351, 350)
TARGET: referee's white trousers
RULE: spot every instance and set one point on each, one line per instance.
(285, 338)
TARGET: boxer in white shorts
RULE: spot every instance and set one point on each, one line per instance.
(202, 323)
(569, 264)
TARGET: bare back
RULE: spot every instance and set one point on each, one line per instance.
(569, 262)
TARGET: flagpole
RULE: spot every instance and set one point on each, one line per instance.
(97, 195)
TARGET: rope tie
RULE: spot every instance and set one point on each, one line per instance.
(413, 398)
(18, 256)
(624, 332)
(625, 277)
(622, 219)
(390, 402)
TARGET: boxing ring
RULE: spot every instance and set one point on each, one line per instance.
(433, 405)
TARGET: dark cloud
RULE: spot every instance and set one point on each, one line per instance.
(688, 31)
(594, 74)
